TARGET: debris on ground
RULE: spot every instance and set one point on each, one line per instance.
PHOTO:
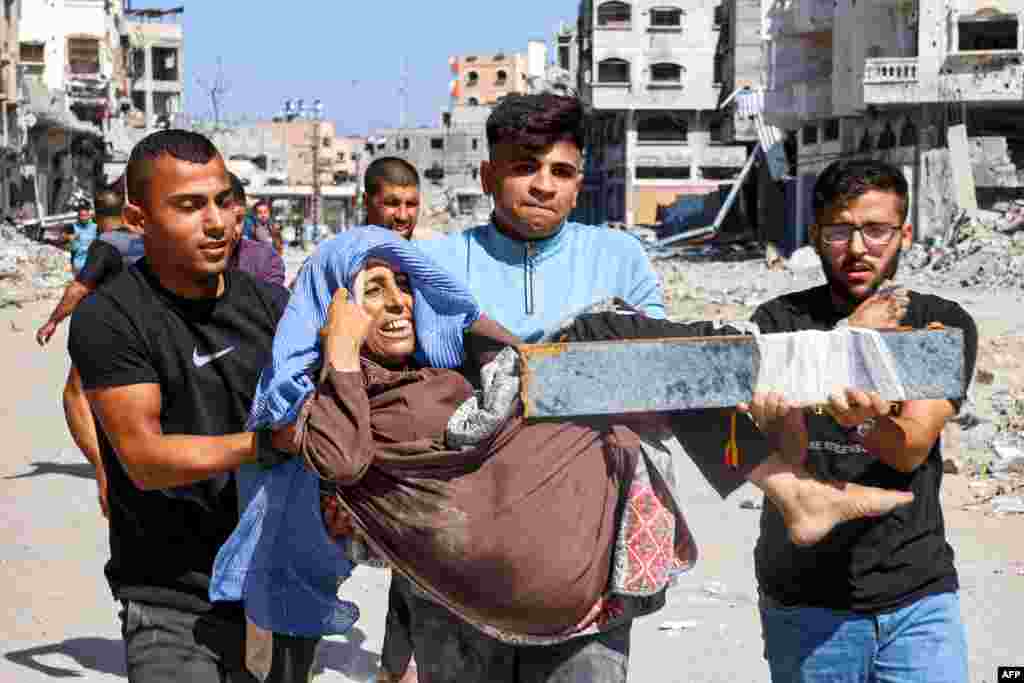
(29, 270)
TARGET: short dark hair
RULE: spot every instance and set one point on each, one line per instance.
(390, 171)
(262, 202)
(109, 201)
(237, 188)
(183, 145)
(845, 180)
(537, 121)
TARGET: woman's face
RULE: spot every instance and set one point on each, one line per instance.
(387, 299)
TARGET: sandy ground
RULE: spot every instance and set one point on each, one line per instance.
(58, 620)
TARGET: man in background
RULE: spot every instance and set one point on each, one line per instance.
(392, 198)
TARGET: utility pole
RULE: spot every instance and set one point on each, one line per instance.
(317, 112)
(403, 94)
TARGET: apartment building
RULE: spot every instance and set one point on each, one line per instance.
(654, 72)
(483, 79)
(447, 155)
(154, 43)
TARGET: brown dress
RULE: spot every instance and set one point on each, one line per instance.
(516, 533)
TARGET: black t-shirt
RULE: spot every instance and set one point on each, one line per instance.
(873, 565)
(108, 255)
(206, 355)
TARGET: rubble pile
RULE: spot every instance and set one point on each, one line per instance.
(29, 271)
(987, 253)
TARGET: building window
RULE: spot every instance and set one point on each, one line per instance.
(471, 58)
(165, 64)
(138, 64)
(564, 59)
(326, 142)
(501, 79)
(666, 74)
(716, 131)
(341, 157)
(908, 136)
(661, 128)
(500, 57)
(614, 14)
(666, 17)
(405, 144)
(32, 53)
(613, 71)
(475, 144)
(436, 143)
(987, 32)
(473, 102)
(83, 56)
(831, 132)
(810, 134)
(472, 78)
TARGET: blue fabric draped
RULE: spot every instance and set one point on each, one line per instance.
(279, 560)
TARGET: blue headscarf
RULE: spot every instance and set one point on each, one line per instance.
(279, 560)
(442, 309)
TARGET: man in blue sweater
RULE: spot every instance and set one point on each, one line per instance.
(530, 267)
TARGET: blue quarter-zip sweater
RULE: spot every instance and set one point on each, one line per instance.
(530, 287)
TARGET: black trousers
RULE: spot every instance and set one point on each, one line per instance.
(167, 645)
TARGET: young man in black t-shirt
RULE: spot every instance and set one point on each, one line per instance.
(169, 354)
(877, 599)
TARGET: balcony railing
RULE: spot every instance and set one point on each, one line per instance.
(891, 70)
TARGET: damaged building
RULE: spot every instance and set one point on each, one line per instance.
(935, 86)
(654, 73)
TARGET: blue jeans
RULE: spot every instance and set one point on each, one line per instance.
(924, 642)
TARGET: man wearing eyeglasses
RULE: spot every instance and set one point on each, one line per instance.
(877, 599)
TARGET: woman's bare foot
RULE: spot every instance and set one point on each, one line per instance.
(812, 508)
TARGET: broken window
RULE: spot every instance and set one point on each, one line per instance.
(613, 71)
(564, 57)
(472, 78)
(666, 17)
(165, 64)
(83, 56)
(831, 130)
(987, 32)
(810, 134)
(436, 143)
(666, 74)
(166, 103)
(32, 53)
(661, 128)
(614, 14)
(502, 78)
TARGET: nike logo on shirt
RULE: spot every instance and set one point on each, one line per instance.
(200, 361)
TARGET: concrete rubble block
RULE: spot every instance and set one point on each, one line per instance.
(666, 375)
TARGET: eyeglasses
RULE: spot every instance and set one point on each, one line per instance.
(873, 234)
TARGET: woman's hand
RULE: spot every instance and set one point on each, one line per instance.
(344, 334)
(337, 521)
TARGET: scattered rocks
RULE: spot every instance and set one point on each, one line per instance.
(29, 271)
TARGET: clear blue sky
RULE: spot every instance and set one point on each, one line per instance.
(349, 52)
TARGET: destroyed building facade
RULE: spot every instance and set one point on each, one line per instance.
(897, 79)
